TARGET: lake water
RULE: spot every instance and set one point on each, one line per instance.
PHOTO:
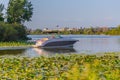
(87, 44)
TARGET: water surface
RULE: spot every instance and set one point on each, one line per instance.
(88, 44)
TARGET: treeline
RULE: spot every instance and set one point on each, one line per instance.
(86, 31)
(12, 22)
(114, 31)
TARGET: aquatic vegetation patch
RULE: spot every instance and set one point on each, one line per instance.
(61, 67)
(14, 44)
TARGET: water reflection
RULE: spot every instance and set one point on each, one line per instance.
(34, 52)
(12, 52)
(48, 51)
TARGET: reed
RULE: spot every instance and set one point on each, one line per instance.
(61, 67)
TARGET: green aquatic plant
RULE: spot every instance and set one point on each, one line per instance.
(15, 44)
(61, 67)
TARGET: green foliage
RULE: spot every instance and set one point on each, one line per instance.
(1, 14)
(15, 44)
(12, 32)
(114, 31)
(37, 31)
(19, 11)
(61, 67)
(1, 8)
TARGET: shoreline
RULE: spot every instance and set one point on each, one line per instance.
(14, 47)
(15, 44)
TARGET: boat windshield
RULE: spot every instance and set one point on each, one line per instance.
(56, 36)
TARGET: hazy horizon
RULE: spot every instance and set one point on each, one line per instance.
(74, 13)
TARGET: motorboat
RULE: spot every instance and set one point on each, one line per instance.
(55, 42)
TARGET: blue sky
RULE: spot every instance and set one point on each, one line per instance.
(74, 13)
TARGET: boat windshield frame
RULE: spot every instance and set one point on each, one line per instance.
(55, 36)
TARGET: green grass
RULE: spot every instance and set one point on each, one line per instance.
(61, 67)
(14, 44)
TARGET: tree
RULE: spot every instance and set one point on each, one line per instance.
(12, 32)
(37, 31)
(1, 14)
(19, 11)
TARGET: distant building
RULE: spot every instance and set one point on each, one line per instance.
(45, 29)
